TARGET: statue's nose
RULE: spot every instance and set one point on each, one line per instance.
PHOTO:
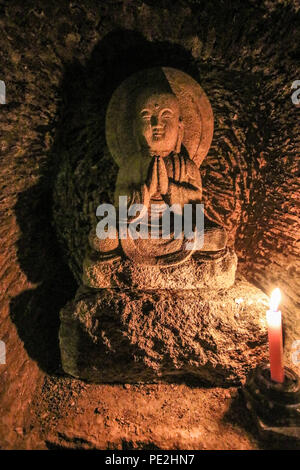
(155, 121)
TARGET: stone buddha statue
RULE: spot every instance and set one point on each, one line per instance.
(160, 175)
(153, 299)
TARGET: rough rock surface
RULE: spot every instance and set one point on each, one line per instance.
(72, 414)
(143, 336)
(218, 273)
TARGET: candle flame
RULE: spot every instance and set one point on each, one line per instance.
(275, 299)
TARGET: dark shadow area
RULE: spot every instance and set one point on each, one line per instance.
(122, 53)
(238, 414)
(81, 444)
(36, 312)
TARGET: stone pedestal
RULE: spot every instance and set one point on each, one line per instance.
(134, 335)
(216, 271)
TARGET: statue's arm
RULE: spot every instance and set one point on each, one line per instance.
(188, 187)
(137, 194)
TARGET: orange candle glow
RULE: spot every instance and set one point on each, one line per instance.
(275, 338)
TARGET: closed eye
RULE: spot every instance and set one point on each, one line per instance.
(145, 115)
(167, 114)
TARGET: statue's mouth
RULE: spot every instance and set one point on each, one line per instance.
(158, 135)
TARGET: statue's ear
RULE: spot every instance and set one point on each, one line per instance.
(180, 136)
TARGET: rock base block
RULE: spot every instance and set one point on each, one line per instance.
(216, 271)
(130, 336)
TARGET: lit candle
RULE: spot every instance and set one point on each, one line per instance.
(275, 338)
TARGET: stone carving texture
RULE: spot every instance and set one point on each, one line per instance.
(145, 336)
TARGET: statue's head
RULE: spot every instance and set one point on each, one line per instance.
(158, 126)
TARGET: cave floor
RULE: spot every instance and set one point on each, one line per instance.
(71, 414)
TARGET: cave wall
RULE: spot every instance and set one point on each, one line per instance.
(60, 62)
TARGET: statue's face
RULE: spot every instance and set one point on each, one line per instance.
(158, 123)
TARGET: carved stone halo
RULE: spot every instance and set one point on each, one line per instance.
(195, 108)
